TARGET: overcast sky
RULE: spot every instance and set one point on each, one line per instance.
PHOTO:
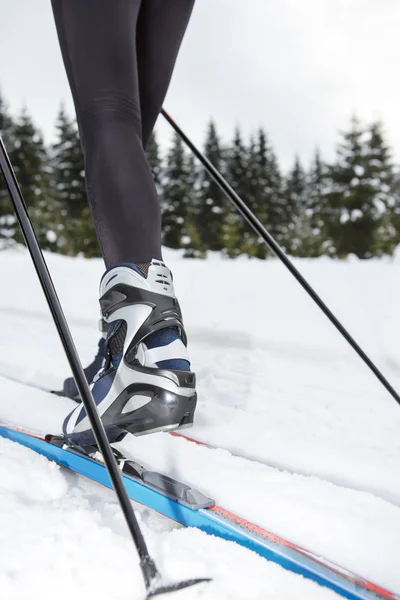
(300, 68)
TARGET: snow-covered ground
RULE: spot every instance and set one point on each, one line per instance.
(317, 435)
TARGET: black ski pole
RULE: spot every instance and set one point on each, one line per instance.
(260, 230)
(149, 570)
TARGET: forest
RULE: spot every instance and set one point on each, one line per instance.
(349, 206)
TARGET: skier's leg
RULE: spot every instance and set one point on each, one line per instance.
(98, 43)
(146, 383)
(161, 27)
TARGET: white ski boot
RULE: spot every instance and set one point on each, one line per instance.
(146, 384)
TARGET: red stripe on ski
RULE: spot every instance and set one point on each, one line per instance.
(260, 531)
(34, 434)
(187, 438)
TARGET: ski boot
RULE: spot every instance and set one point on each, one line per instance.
(145, 384)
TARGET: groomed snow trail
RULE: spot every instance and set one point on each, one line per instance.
(276, 385)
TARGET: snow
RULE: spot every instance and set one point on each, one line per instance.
(310, 437)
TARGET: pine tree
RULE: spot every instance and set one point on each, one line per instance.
(296, 202)
(176, 198)
(264, 193)
(383, 185)
(193, 245)
(313, 239)
(394, 213)
(272, 187)
(76, 231)
(31, 164)
(7, 217)
(6, 123)
(210, 199)
(255, 200)
(357, 210)
(237, 173)
(316, 182)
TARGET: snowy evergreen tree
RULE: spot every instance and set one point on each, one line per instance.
(237, 175)
(395, 208)
(210, 199)
(316, 182)
(7, 217)
(295, 189)
(313, 240)
(193, 245)
(271, 187)
(357, 208)
(264, 194)
(176, 196)
(296, 203)
(30, 160)
(75, 228)
(382, 181)
(254, 198)
(6, 123)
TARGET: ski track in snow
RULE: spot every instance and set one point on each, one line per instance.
(276, 385)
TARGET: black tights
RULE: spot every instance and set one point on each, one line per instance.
(119, 56)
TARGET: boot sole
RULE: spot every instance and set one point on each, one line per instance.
(155, 416)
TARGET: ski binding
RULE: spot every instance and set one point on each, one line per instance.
(176, 490)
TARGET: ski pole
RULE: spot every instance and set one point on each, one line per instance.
(150, 572)
(260, 230)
